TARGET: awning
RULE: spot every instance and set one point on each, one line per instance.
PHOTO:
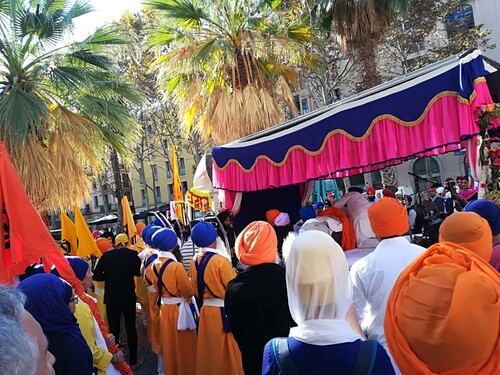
(428, 112)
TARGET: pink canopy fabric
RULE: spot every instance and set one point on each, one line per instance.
(431, 114)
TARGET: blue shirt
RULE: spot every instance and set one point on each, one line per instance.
(338, 359)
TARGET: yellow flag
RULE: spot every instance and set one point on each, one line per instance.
(69, 242)
(86, 243)
(177, 184)
(128, 220)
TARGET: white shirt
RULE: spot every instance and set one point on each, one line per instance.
(373, 278)
(357, 209)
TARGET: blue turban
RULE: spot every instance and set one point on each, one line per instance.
(47, 298)
(160, 223)
(145, 231)
(306, 213)
(488, 211)
(319, 205)
(164, 239)
(203, 234)
(79, 266)
(149, 234)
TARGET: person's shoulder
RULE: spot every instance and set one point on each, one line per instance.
(365, 263)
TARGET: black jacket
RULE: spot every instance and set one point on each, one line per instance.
(117, 268)
(257, 308)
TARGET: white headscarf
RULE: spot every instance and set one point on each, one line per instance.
(319, 290)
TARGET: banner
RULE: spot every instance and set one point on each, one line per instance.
(199, 199)
(24, 237)
(86, 243)
(177, 184)
(69, 241)
(128, 221)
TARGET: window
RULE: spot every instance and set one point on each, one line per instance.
(165, 147)
(357, 180)
(170, 192)
(141, 175)
(377, 180)
(168, 169)
(143, 196)
(460, 21)
(158, 193)
(96, 201)
(125, 181)
(184, 186)
(420, 169)
(94, 185)
(182, 167)
(154, 171)
(305, 106)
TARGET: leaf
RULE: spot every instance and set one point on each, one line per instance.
(20, 113)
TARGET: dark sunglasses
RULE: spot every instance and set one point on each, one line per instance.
(74, 299)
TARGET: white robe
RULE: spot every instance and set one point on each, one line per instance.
(357, 209)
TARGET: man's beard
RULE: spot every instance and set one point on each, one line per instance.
(371, 198)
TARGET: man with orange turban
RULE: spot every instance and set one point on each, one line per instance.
(468, 230)
(374, 275)
(256, 301)
(443, 315)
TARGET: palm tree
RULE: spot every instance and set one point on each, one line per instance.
(61, 103)
(361, 24)
(229, 64)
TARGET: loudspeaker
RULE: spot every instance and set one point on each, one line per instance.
(493, 81)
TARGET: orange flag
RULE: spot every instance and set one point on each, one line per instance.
(86, 244)
(25, 238)
(128, 220)
(177, 184)
(69, 241)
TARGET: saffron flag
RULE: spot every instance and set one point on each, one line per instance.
(177, 184)
(25, 238)
(128, 220)
(69, 242)
(86, 243)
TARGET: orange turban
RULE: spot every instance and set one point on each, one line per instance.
(469, 230)
(271, 215)
(140, 226)
(257, 244)
(443, 314)
(103, 244)
(388, 218)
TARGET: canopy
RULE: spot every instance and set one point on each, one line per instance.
(428, 112)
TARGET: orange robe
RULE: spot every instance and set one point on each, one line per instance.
(179, 347)
(217, 351)
(153, 311)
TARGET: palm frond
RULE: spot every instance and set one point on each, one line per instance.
(80, 8)
(106, 36)
(21, 111)
(183, 12)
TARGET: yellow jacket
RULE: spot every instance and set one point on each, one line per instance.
(101, 357)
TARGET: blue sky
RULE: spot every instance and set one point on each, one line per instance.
(106, 11)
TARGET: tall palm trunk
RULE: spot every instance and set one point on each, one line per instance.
(365, 49)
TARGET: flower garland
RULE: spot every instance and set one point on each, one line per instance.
(489, 157)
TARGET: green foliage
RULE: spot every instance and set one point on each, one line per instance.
(53, 91)
(205, 48)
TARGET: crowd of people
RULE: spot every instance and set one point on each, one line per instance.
(248, 305)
